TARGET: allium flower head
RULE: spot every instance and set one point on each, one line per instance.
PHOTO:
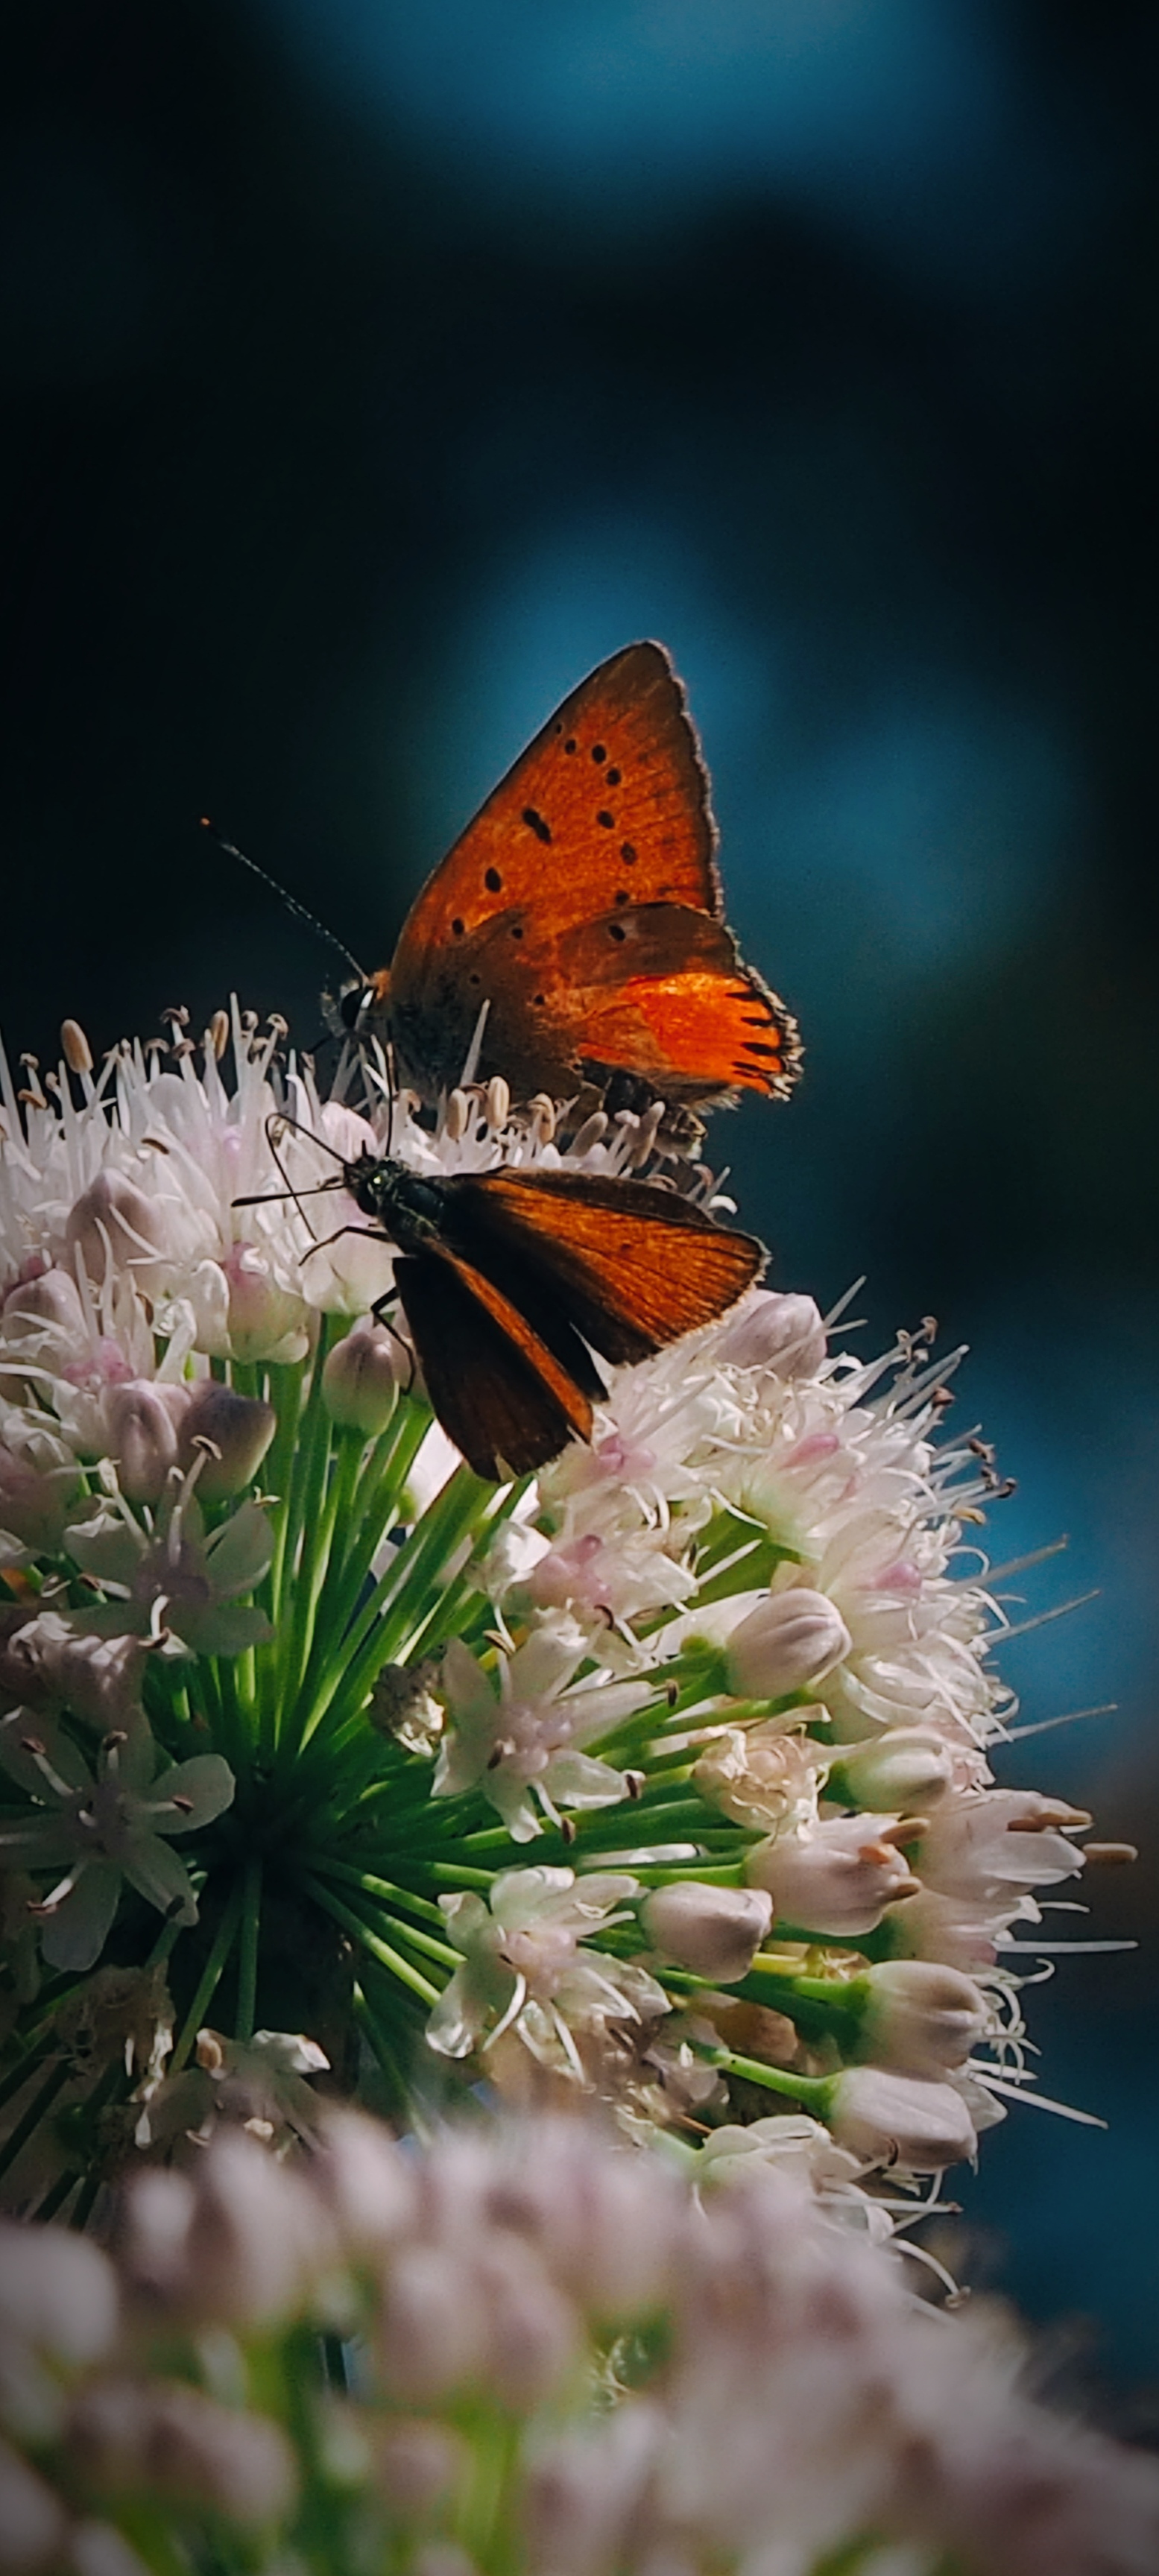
(624, 1781)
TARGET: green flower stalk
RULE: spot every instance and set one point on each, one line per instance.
(661, 1778)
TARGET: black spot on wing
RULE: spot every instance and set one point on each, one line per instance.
(535, 823)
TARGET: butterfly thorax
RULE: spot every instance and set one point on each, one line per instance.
(408, 1208)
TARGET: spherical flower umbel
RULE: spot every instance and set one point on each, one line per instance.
(661, 1777)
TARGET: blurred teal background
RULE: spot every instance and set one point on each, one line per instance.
(368, 372)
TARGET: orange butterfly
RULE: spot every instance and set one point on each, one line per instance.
(506, 1277)
(583, 907)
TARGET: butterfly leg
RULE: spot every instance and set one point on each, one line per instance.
(378, 1310)
(374, 1234)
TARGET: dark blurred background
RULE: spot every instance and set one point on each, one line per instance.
(369, 371)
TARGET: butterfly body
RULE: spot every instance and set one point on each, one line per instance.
(511, 1279)
(581, 912)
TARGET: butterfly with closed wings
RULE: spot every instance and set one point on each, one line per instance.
(509, 1280)
(581, 915)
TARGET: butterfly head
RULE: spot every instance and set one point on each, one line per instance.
(408, 1208)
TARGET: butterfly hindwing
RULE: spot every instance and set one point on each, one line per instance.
(498, 1390)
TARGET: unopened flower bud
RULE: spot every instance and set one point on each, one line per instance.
(52, 1299)
(153, 2227)
(788, 1641)
(113, 1221)
(713, 1931)
(906, 1768)
(835, 1877)
(361, 1378)
(141, 1420)
(768, 1330)
(900, 2120)
(236, 1431)
(33, 2520)
(46, 1315)
(922, 2018)
(46, 1663)
(99, 2549)
(254, 2238)
(34, 1500)
(168, 2436)
(416, 2463)
(434, 2327)
(217, 1034)
(949, 1929)
(265, 1321)
(498, 1102)
(58, 2293)
(367, 2182)
(532, 2329)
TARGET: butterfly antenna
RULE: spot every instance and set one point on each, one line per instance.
(264, 1198)
(391, 1097)
(299, 910)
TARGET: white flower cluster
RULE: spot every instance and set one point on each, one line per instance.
(559, 2356)
(719, 1665)
(838, 1710)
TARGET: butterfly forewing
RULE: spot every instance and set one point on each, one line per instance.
(621, 744)
(575, 906)
(632, 1267)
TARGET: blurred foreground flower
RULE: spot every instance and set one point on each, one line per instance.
(661, 1778)
(526, 2352)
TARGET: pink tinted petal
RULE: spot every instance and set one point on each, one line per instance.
(224, 1629)
(239, 1553)
(206, 1781)
(22, 1729)
(75, 1935)
(159, 1876)
(107, 1547)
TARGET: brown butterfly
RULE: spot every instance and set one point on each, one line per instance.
(507, 1277)
(583, 907)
